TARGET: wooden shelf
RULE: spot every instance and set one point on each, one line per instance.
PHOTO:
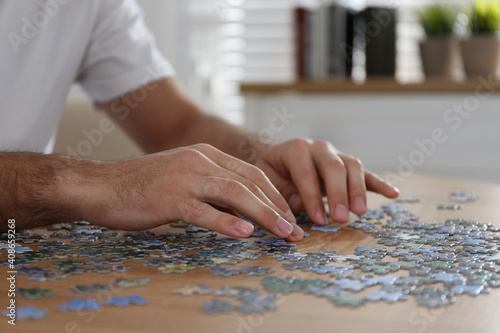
(370, 86)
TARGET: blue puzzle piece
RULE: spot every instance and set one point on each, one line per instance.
(470, 289)
(77, 304)
(27, 312)
(256, 270)
(21, 249)
(291, 257)
(32, 270)
(385, 280)
(425, 249)
(329, 269)
(224, 271)
(276, 241)
(324, 228)
(388, 296)
(472, 241)
(448, 277)
(349, 284)
(136, 299)
(217, 306)
(116, 301)
(493, 258)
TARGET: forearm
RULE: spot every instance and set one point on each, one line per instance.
(39, 190)
(167, 118)
(231, 139)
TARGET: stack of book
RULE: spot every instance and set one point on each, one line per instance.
(325, 38)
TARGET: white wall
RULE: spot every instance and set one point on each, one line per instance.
(382, 129)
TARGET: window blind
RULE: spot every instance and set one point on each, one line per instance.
(255, 43)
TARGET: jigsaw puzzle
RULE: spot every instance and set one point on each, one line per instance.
(429, 263)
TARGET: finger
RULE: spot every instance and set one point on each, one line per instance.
(285, 187)
(259, 194)
(251, 173)
(305, 177)
(334, 174)
(356, 184)
(376, 184)
(235, 195)
(206, 216)
(252, 187)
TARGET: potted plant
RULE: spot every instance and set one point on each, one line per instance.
(439, 51)
(480, 51)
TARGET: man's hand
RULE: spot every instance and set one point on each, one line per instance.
(304, 170)
(197, 184)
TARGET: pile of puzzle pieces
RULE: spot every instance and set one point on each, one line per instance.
(430, 262)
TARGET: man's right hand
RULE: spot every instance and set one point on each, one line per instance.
(197, 184)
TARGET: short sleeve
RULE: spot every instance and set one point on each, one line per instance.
(121, 54)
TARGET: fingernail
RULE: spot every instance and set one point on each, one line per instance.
(295, 201)
(359, 204)
(320, 216)
(341, 212)
(284, 227)
(297, 233)
(245, 229)
(290, 214)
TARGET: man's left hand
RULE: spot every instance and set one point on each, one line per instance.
(305, 170)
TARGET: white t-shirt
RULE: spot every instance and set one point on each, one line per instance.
(46, 45)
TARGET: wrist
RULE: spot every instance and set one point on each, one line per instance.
(82, 189)
(252, 148)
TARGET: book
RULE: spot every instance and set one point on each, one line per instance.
(301, 22)
(324, 39)
(352, 21)
(380, 41)
(336, 56)
(319, 44)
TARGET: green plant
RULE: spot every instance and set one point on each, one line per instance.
(484, 18)
(437, 20)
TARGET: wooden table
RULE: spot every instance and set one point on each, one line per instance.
(296, 312)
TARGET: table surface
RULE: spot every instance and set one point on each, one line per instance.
(296, 312)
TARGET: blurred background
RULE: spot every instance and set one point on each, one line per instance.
(406, 86)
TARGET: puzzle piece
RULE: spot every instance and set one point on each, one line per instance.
(388, 295)
(130, 282)
(463, 196)
(77, 304)
(347, 299)
(349, 284)
(255, 270)
(470, 289)
(224, 271)
(407, 200)
(125, 301)
(176, 268)
(434, 297)
(217, 306)
(34, 293)
(324, 228)
(235, 291)
(27, 312)
(187, 290)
